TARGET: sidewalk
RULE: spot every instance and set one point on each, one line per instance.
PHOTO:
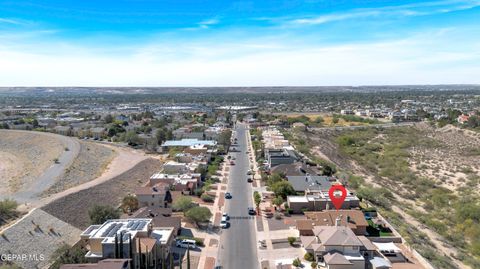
(210, 251)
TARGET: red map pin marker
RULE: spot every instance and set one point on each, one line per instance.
(337, 200)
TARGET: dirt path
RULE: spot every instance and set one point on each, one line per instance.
(31, 192)
(125, 160)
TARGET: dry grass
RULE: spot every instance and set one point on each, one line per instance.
(24, 156)
(90, 163)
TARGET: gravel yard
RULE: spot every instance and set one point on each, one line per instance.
(91, 161)
(37, 235)
(73, 208)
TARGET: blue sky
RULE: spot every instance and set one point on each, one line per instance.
(238, 43)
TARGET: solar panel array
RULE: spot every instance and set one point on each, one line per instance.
(134, 225)
(115, 229)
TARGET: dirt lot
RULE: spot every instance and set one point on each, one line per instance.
(73, 208)
(453, 165)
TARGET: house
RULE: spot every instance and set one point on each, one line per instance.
(103, 264)
(346, 112)
(380, 263)
(196, 149)
(463, 118)
(213, 133)
(136, 238)
(308, 182)
(185, 143)
(161, 218)
(101, 238)
(180, 182)
(156, 196)
(173, 167)
(314, 200)
(63, 130)
(337, 247)
(183, 157)
(299, 126)
(294, 169)
(275, 157)
(97, 132)
(354, 219)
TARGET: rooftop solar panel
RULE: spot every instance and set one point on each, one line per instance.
(140, 227)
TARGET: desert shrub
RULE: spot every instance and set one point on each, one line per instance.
(207, 198)
(100, 213)
(183, 203)
(8, 209)
(199, 214)
(297, 262)
(309, 257)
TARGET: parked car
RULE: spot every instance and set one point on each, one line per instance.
(186, 243)
(251, 211)
(226, 216)
(224, 224)
(228, 195)
(232, 163)
(249, 179)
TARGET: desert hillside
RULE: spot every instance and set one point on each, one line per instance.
(24, 156)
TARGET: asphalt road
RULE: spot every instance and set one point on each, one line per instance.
(238, 247)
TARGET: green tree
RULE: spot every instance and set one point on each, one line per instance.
(132, 138)
(199, 214)
(282, 189)
(277, 201)
(291, 240)
(129, 204)
(161, 135)
(183, 203)
(8, 209)
(68, 255)
(108, 119)
(257, 198)
(100, 213)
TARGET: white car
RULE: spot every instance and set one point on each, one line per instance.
(224, 224)
(186, 243)
(226, 216)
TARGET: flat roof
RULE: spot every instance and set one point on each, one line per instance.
(162, 235)
(108, 230)
(188, 142)
(297, 199)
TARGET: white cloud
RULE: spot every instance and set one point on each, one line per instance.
(416, 9)
(428, 58)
